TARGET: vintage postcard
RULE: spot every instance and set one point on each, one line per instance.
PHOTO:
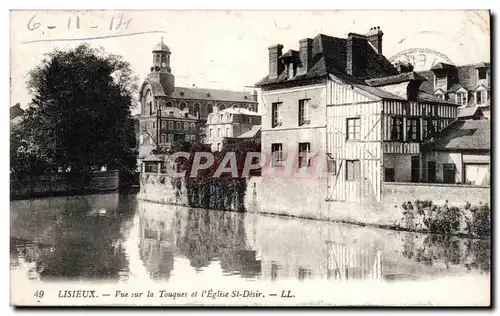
(250, 158)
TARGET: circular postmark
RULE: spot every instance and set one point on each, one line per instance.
(420, 58)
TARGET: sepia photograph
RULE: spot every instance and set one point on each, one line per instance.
(250, 158)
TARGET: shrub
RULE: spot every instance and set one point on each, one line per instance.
(473, 220)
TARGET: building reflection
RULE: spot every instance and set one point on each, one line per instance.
(345, 263)
(75, 238)
(201, 236)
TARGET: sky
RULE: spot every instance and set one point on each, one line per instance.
(229, 49)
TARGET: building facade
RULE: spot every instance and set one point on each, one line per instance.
(375, 131)
(341, 99)
(460, 153)
(295, 92)
(467, 85)
(229, 123)
(161, 103)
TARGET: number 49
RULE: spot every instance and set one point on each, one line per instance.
(39, 293)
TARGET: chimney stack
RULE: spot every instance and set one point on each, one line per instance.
(275, 64)
(375, 38)
(356, 55)
(305, 54)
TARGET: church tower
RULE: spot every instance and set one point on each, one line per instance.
(160, 70)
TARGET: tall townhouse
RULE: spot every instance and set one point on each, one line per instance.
(341, 99)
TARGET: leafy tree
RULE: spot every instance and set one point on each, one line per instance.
(82, 99)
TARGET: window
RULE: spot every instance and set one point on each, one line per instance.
(389, 174)
(352, 170)
(163, 138)
(292, 70)
(431, 171)
(413, 133)
(479, 97)
(461, 98)
(354, 128)
(179, 126)
(277, 155)
(304, 155)
(193, 127)
(276, 114)
(163, 124)
(186, 126)
(428, 128)
(218, 132)
(304, 117)
(154, 124)
(396, 129)
(449, 173)
(170, 138)
(211, 133)
(170, 125)
(481, 73)
(227, 132)
(440, 80)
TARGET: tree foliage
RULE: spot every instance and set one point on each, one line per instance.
(82, 99)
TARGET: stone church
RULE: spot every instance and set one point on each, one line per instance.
(159, 98)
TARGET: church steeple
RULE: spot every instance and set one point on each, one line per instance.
(161, 71)
(161, 58)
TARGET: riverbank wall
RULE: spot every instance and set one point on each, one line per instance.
(59, 183)
(307, 199)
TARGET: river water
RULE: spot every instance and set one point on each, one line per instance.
(117, 238)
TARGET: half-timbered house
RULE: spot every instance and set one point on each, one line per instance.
(341, 98)
(375, 131)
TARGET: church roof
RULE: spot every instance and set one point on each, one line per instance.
(161, 47)
(212, 94)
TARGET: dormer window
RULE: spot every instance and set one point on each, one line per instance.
(440, 94)
(292, 70)
(479, 97)
(182, 94)
(440, 80)
(461, 98)
(481, 73)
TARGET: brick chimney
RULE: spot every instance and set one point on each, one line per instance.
(375, 38)
(275, 64)
(305, 54)
(356, 55)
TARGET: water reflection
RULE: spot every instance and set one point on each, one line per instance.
(114, 237)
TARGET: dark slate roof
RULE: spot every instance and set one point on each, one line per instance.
(291, 53)
(407, 76)
(212, 94)
(442, 66)
(426, 97)
(200, 94)
(466, 77)
(462, 135)
(329, 56)
(428, 85)
(454, 88)
(176, 113)
(469, 111)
